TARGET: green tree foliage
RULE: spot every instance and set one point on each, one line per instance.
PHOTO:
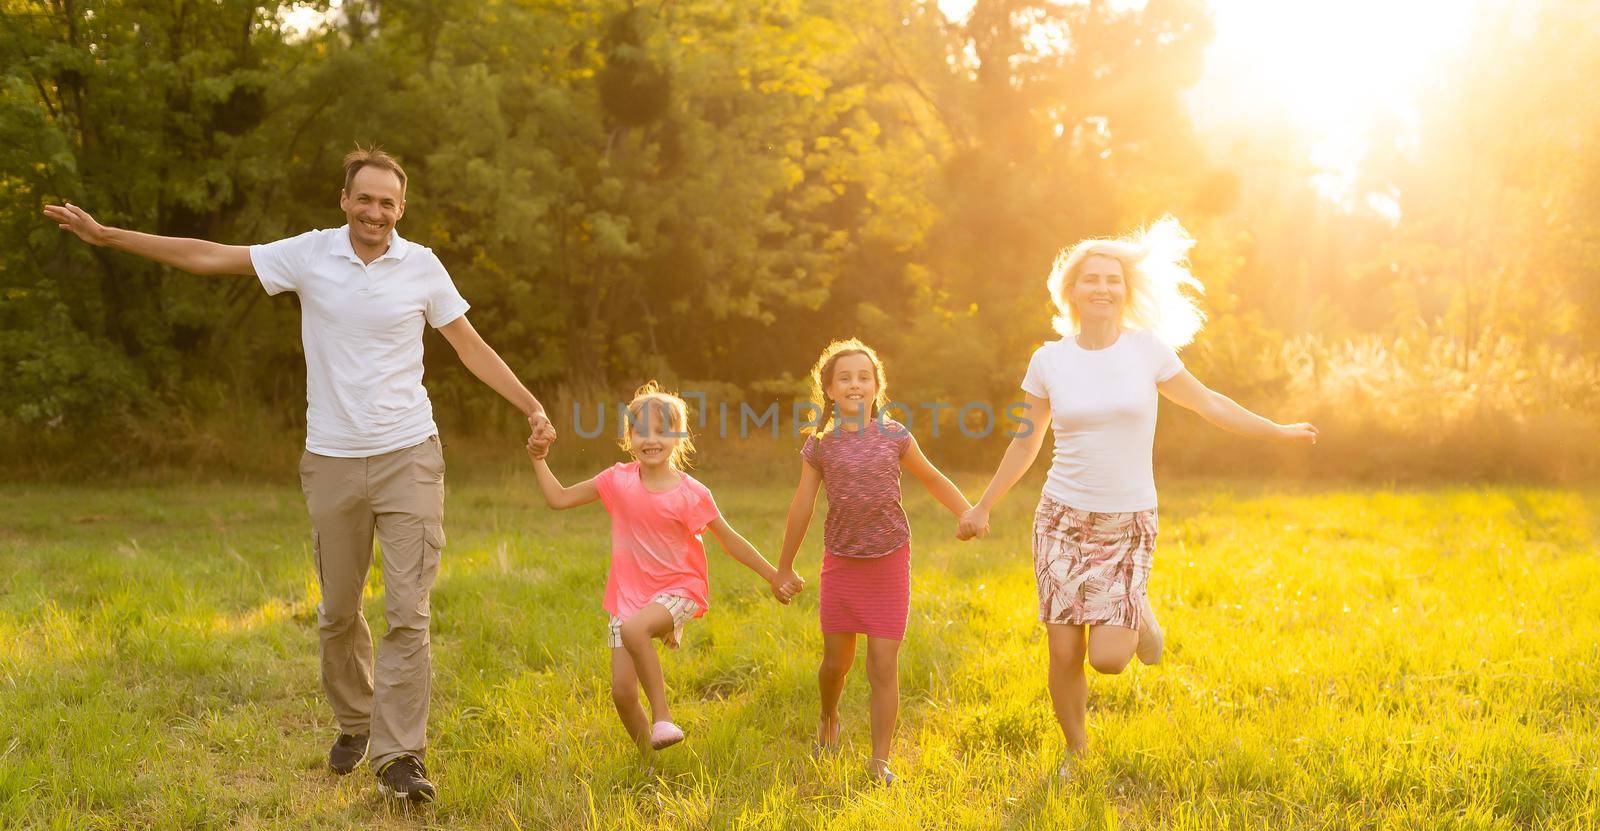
(1064, 121)
(700, 188)
(157, 117)
(710, 190)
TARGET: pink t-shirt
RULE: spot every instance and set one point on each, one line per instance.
(655, 539)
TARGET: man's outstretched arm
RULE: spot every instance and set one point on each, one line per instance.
(487, 365)
(196, 256)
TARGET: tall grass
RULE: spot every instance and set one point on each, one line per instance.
(1339, 658)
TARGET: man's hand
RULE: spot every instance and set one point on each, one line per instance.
(541, 434)
(196, 256)
(70, 217)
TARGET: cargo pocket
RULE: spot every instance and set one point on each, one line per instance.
(432, 548)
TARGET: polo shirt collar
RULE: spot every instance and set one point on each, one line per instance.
(398, 246)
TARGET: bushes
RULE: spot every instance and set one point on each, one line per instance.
(55, 375)
(1414, 407)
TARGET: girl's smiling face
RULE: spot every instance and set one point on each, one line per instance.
(853, 384)
(651, 438)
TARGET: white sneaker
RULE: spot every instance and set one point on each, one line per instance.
(1151, 638)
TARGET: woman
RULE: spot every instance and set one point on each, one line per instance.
(1122, 313)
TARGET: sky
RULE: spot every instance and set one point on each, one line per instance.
(1330, 68)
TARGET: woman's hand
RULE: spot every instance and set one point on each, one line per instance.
(974, 523)
(1302, 432)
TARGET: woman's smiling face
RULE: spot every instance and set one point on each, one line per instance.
(1100, 291)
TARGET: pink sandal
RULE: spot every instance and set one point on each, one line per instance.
(664, 734)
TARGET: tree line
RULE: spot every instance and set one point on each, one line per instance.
(708, 191)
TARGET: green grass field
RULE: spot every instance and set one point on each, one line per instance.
(1338, 658)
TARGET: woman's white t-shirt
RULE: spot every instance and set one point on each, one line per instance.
(1103, 410)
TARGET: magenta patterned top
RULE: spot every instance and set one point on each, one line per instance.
(861, 471)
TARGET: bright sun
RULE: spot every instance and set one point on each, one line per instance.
(1333, 69)
(1330, 68)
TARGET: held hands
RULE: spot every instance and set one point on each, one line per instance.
(1301, 432)
(786, 586)
(70, 217)
(974, 523)
(541, 434)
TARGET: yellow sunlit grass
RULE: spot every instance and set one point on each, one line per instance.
(1338, 658)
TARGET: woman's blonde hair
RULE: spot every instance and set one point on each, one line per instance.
(674, 414)
(1155, 268)
(822, 370)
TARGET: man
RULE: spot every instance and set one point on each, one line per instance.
(373, 461)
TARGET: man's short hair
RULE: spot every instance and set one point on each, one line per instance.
(371, 157)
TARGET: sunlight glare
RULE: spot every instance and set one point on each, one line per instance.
(300, 20)
(1336, 71)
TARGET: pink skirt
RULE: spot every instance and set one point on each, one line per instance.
(867, 595)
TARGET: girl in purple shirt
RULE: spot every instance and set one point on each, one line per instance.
(858, 453)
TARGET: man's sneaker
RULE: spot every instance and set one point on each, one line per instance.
(1151, 638)
(347, 752)
(405, 778)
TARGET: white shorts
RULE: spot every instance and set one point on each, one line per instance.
(681, 608)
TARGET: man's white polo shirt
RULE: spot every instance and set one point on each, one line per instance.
(362, 329)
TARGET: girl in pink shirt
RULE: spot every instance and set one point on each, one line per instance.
(658, 578)
(866, 560)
